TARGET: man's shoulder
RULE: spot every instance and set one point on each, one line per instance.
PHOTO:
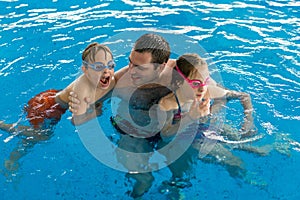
(124, 81)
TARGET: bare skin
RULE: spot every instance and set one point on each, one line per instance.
(195, 106)
(100, 80)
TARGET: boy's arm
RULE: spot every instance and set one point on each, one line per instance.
(80, 106)
(63, 95)
(92, 111)
(83, 91)
(80, 119)
(84, 111)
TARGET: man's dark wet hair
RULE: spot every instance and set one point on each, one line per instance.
(154, 44)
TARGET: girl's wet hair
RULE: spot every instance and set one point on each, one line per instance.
(92, 49)
(189, 64)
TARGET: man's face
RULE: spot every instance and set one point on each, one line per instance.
(141, 70)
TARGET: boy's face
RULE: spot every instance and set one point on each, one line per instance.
(141, 69)
(103, 78)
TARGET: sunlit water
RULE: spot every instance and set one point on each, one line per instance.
(255, 45)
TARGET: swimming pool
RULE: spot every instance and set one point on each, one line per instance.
(254, 45)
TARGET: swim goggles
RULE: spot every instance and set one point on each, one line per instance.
(194, 83)
(99, 66)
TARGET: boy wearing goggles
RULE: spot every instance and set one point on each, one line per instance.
(46, 108)
(97, 78)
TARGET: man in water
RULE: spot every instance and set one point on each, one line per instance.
(137, 118)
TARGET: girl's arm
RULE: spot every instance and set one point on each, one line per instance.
(197, 112)
(245, 100)
(247, 105)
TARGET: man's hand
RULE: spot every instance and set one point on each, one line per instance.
(74, 102)
(171, 63)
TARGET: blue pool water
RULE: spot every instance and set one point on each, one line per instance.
(255, 45)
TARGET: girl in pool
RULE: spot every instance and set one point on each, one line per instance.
(193, 96)
(190, 103)
(45, 109)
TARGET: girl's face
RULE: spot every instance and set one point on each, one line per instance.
(101, 72)
(199, 84)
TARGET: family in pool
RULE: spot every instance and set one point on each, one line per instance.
(151, 86)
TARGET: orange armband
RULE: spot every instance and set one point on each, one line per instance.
(43, 106)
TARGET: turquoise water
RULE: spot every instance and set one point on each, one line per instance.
(255, 45)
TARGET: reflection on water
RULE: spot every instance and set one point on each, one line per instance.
(255, 46)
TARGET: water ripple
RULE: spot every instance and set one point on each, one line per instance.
(253, 44)
(285, 4)
(9, 64)
(285, 79)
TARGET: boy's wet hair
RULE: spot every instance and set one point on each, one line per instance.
(92, 49)
(154, 44)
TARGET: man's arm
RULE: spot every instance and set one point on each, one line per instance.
(165, 76)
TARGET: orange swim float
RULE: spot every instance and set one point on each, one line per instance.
(43, 106)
